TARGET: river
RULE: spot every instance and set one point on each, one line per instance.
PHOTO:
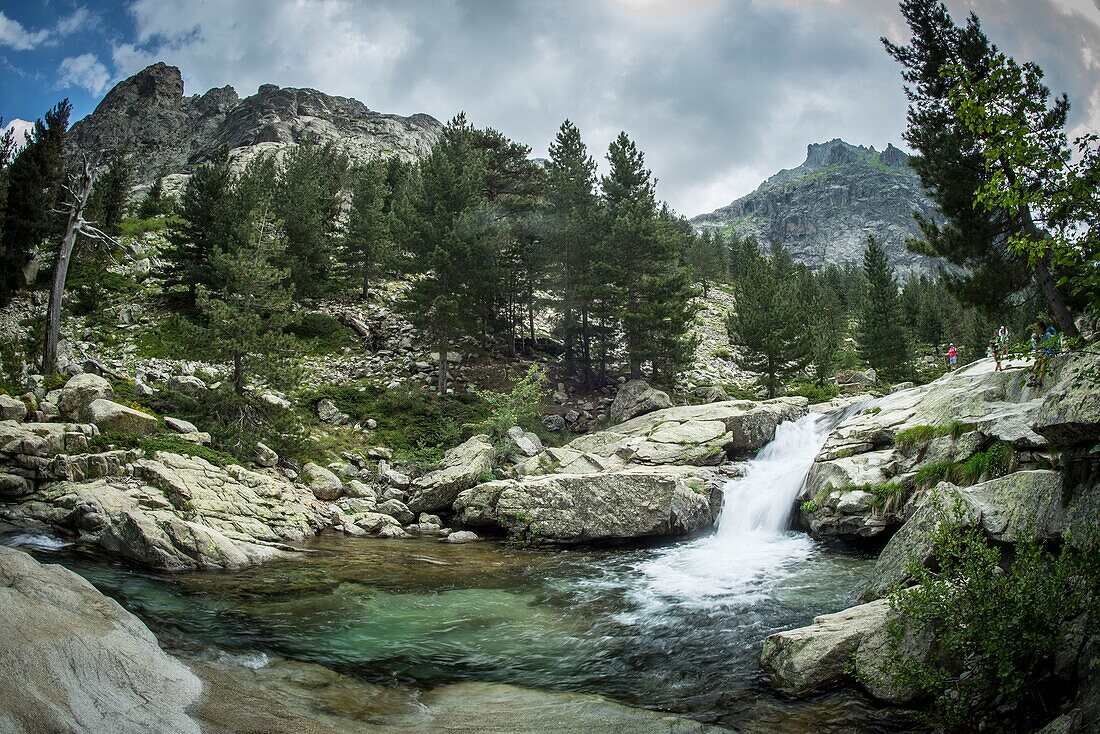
(675, 628)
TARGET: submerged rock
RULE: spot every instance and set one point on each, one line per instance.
(74, 660)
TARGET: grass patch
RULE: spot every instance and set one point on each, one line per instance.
(924, 433)
(997, 460)
(167, 340)
(419, 425)
(172, 443)
(320, 334)
(812, 391)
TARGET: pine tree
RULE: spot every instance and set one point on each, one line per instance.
(34, 191)
(706, 256)
(633, 242)
(308, 206)
(573, 242)
(769, 321)
(204, 226)
(446, 226)
(7, 148)
(827, 330)
(111, 194)
(882, 337)
(365, 251)
(246, 317)
(155, 203)
(952, 164)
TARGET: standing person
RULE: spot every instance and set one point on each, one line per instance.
(995, 352)
(1002, 338)
(952, 358)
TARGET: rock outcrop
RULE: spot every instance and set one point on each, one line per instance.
(166, 132)
(636, 398)
(984, 407)
(462, 467)
(174, 512)
(73, 660)
(823, 210)
(824, 654)
(566, 509)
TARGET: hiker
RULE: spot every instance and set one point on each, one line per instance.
(1044, 344)
(1002, 338)
(952, 358)
(995, 352)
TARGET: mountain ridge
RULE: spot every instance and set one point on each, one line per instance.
(167, 132)
(823, 209)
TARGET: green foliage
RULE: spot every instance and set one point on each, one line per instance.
(882, 337)
(155, 205)
(769, 324)
(137, 226)
(110, 195)
(921, 434)
(995, 630)
(244, 320)
(996, 460)
(366, 250)
(168, 442)
(322, 333)
(419, 425)
(932, 474)
(205, 224)
(169, 339)
(814, 392)
(33, 182)
(306, 203)
(523, 402)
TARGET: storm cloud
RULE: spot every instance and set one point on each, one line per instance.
(719, 95)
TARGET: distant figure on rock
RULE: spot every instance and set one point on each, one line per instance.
(1044, 345)
(952, 358)
(1002, 338)
(994, 351)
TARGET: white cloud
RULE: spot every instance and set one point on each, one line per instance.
(20, 128)
(718, 93)
(85, 70)
(15, 36)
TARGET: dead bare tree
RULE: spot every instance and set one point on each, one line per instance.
(79, 188)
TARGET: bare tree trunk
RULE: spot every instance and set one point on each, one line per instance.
(442, 384)
(238, 373)
(74, 225)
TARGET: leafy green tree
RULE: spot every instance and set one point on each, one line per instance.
(669, 311)
(952, 165)
(573, 243)
(34, 191)
(246, 317)
(307, 203)
(446, 227)
(205, 225)
(1032, 177)
(111, 194)
(882, 336)
(769, 321)
(366, 249)
(522, 403)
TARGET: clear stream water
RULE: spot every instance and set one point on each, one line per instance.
(676, 628)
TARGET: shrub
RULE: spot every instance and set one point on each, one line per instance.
(510, 408)
(322, 333)
(815, 393)
(930, 475)
(995, 630)
(924, 433)
(995, 461)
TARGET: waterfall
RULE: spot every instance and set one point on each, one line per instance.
(753, 549)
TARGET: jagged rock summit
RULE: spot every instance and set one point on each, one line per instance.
(823, 210)
(169, 133)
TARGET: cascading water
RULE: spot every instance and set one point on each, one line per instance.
(753, 549)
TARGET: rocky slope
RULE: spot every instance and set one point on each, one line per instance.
(823, 210)
(169, 133)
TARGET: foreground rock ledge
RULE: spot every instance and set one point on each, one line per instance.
(73, 660)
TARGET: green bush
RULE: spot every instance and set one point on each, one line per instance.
(932, 474)
(924, 433)
(508, 409)
(418, 424)
(815, 393)
(995, 630)
(995, 461)
(167, 340)
(322, 333)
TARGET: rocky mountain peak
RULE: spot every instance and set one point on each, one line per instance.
(168, 133)
(823, 210)
(156, 87)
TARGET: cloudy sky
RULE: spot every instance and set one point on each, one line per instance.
(719, 94)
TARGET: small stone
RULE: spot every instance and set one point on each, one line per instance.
(265, 456)
(429, 519)
(395, 478)
(360, 490)
(12, 409)
(372, 423)
(462, 536)
(380, 452)
(329, 413)
(110, 416)
(553, 423)
(324, 484)
(179, 425)
(397, 510)
(188, 385)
